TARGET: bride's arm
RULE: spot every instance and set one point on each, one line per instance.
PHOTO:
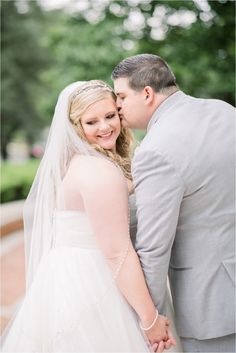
(105, 196)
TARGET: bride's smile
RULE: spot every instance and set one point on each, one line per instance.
(101, 124)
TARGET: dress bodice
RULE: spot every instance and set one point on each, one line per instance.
(73, 228)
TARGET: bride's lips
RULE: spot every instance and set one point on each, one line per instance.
(106, 136)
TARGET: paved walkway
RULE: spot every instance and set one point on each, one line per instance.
(12, 259)
(11, 216)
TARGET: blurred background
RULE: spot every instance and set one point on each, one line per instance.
(47, 44)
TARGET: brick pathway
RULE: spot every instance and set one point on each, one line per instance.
(12, 274)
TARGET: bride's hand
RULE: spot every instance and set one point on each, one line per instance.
(159, 347)
(158, 332)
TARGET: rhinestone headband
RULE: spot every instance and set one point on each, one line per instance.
(89, 87)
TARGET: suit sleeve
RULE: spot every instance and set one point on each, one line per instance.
(159, 192)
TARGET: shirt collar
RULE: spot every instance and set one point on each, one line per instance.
(164, 106)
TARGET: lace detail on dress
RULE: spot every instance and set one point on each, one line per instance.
(122, 261)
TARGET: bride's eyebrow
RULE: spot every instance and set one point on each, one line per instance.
(85, 120)
(95, 117)
(112, 112)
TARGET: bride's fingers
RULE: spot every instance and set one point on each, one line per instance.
(168, 344)
(161, 347)
(155, 346)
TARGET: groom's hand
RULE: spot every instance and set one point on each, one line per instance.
(171, 340)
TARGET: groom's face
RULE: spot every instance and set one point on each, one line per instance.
(131, 105)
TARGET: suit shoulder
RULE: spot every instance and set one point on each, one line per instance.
(214, 103)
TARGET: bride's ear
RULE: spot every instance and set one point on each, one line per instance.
(149, 94)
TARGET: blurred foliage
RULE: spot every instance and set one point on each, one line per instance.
(22, 60)
(43, 51)
(203, 56)
(16, 179)
(81, 51)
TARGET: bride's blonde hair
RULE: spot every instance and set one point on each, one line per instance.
(80, 100)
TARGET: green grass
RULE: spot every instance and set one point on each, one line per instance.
(16, 179)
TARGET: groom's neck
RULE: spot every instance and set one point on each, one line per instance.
(159, 98)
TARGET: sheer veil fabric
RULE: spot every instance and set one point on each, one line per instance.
(45, 196)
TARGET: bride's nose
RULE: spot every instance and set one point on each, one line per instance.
(103, 126)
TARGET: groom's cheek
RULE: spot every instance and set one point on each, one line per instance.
(124, 123)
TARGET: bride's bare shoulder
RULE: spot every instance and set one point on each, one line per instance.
(90, 162)
(92, 167)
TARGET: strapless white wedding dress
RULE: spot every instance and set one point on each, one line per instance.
(73, 304)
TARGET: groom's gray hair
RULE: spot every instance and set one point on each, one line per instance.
(146, 70)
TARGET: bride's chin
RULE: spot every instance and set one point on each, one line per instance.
(108, 147)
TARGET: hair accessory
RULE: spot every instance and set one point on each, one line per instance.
(91, 86)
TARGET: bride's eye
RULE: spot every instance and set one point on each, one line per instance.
(90, 122)
(111, 116)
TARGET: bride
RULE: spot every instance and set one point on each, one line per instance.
(85, 287)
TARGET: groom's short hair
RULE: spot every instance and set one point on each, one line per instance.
(145, 70)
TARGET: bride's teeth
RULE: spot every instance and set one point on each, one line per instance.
(106, 135)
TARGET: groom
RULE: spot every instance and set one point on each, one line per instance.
(184, 182)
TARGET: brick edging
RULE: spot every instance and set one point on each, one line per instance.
(11, 227)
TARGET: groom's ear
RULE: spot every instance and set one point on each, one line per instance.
(149, 94)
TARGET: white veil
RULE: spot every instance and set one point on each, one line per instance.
(44, 197)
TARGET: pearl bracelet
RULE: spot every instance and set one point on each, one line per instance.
(152, 324)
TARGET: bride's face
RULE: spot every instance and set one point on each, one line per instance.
(101, 124)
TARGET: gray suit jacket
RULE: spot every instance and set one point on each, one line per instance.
(184, 182)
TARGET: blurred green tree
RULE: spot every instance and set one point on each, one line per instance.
(195, 37)
(197, 42)
(81, 51)
(202, 55)
(23, 57)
